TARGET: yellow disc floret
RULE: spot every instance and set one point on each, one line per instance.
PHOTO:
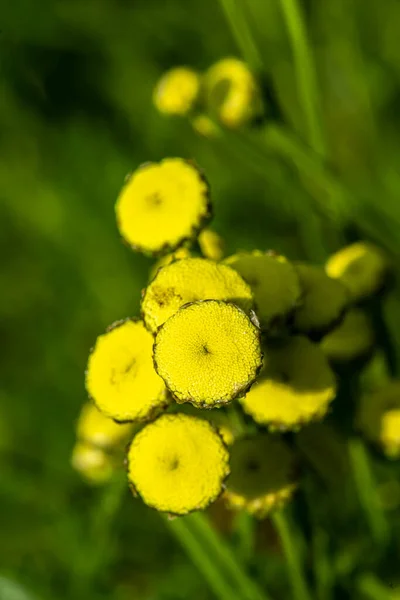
(232, 93)
(324, 300)
(93, 463)
(208, 353)
(362, 267)
(211, 244)
(95, 428)
(352, 339)
(178, 464)
(274, 282)
(177, 91)
(120, 375)
(378, 417)
(262, 475)
(295, 387)
(189, 280)
(167, 259)
(162, 205)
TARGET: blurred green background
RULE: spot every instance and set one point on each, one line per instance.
(76, 78)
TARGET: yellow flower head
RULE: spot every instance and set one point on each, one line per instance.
(324, 301)
(120, 375)
(95, 428)
(362, 267)
(93, 463)
(232, 93)
(262, 475)
(178, 464)
(177, 92)
(167, 259)
(203, 125)
(162, 205)
(274, 282)
(208, 353)
(295, 387)
(189, 280)
(378, 418)
(352, 339)
(211, 244)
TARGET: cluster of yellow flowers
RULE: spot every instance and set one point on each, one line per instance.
(227, 93)
(251, 333)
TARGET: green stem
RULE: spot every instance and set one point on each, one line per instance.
(201, 558)
(366, 490)
(297, 578)
(245, 587)
(372, 588)
(305, 73)
(245, 528)
(241, 32)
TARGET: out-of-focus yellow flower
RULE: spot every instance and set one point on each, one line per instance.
(177, 92)
(324, 301)
(274, 282)
(378, 418)
(352, 339)
(262, 475)
(93, 463)
(120, 376)
(232, 93)
(167, 259)
(98, 430)
(162, 205)
(211, 244)
(189, 280)
(295, 387)
(361, 266)
(205, 126)
(178, 464)
(208, 353)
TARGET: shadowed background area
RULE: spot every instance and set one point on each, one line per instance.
(75, 117)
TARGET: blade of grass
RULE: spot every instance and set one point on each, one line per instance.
(297, 578)
(240, 28)
(201, 558)
(372, 588)
(366, 490)
(223, 555)
(305, 73)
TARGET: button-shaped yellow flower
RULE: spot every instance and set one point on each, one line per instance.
(274, 282)
(211, 244)
(262, 475)
(93, 463)
(178, 464)
(120, 376)
(177, 92)
(354, 338)
(324, 301)
(167, 259)
(378, 417)
(162, 205)
(295, 387)
(98, 430)
(362, 267)
(189, 280)
(232, 93)
(208, 353)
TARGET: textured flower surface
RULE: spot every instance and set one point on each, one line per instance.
(178, 464)
(211, 244)
(378, 417)
(324, 300)
(167, 259)
(120, 376)
(189, 280)
(352, 339)
(162, 205)
(101, 431)
(177, 91)
(232, 92)
(361, 266)
(295, 387)
(262, 475)
(208, 353)
(274, 282)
